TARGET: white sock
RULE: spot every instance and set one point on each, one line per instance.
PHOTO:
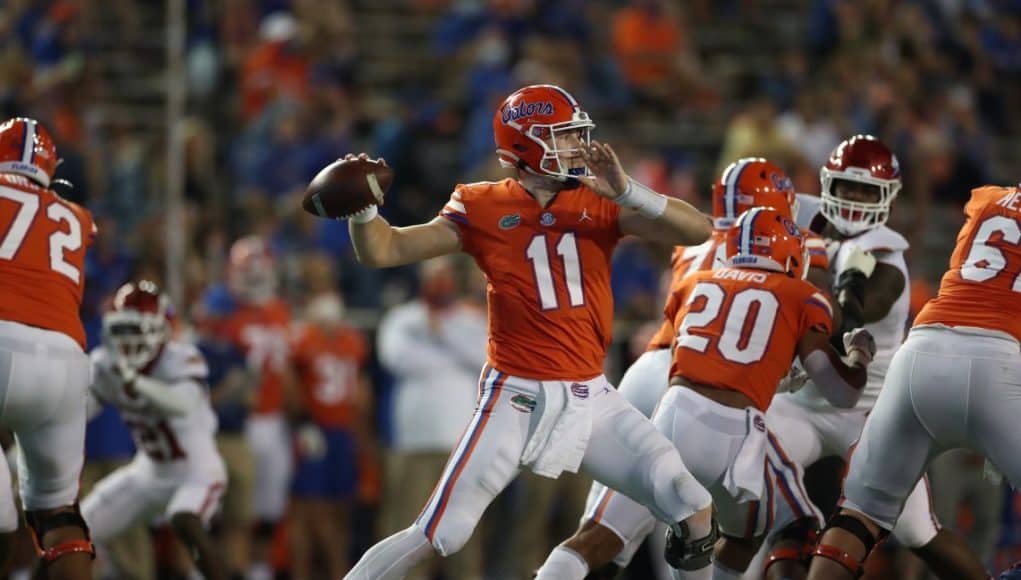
(721, 572)
(563, 564)
(392, 557)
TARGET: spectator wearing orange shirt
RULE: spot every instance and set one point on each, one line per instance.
(276, 67)
(651, 45)
(329, 361)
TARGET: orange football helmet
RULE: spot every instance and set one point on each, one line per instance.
(526, 127)
(26, 148)
(751, 182)
(767, 239)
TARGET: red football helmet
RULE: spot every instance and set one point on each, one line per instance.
(27, 149)
(528, 124)
(137, 327)
(861, 159)
(251, 273)
(765, 238)
(751, 182)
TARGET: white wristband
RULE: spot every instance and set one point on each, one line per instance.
(647, 202)
(366, 215)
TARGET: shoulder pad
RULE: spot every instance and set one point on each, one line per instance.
(881, 239)
(180, 361)
(808, 208)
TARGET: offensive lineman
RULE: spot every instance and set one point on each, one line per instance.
(44, 372)
(955, 382)
(859, 183)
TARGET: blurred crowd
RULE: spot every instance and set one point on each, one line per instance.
(279, 88)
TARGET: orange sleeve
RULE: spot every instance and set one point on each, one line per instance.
(456, 210)
(674, 303)
(817, 313)
(817, 256)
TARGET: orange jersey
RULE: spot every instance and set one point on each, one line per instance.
(43, 239)
(738, 328)
(685, 260)
(982, 288)
(817, 256)
(710, 255)
(262, 332)
(550, 304)
(328, 368)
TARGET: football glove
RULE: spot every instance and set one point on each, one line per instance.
(860, 347)
(857, 259)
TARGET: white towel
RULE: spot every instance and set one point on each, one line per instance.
(743, 480)
(562, 431)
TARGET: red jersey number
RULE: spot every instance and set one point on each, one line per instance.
(157, 441)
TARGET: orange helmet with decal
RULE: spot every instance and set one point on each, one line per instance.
(767, 239)
(526, 127)
(26, 148)
(751, 182)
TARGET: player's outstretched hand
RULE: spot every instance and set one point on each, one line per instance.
(608, 178)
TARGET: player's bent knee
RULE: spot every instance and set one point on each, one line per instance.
(73, 536)
(687, 553)
(674, 487)
(187, 526)
(855, 527)
(449, 538)
(794, 543)
(914, 536)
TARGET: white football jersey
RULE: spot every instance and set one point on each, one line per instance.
(888, 247)
(174, 445)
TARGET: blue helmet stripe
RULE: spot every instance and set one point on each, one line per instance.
(27, 141)
(747, 229)
(730, 189)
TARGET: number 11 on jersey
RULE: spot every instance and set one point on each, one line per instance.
(567, 249)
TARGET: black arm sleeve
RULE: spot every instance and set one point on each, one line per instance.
(850, 291)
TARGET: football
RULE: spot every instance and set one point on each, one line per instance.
(346, 187)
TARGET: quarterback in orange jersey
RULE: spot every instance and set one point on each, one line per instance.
(738, 329)
(43, 239)
(544, 240)
(955, 382)
(744, 184)
(329, 359)
(260, 327)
